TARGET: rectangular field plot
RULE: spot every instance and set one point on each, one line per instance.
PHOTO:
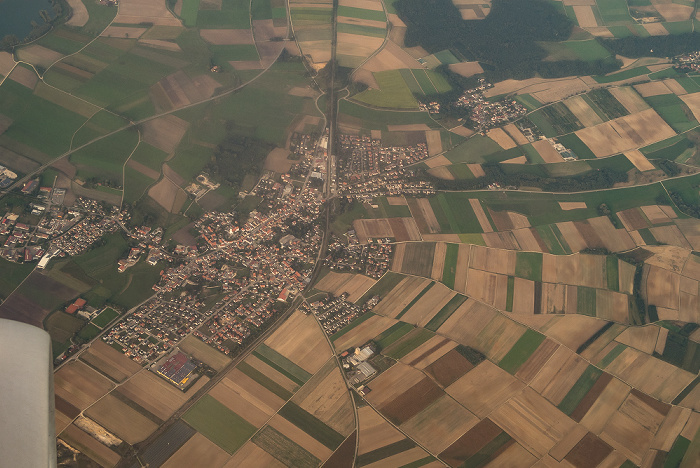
(301, 341)
(197, 451)
(284, 449)
(219, 424)
(110, 361)
(484, 388)
(116, 416)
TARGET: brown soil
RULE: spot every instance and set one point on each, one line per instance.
(449, 368)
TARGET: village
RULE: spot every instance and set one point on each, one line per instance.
(367, 169)
(485, 114)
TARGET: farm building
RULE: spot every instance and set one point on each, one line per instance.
(177, 369)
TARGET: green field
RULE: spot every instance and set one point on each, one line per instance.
(62, 326)
(88, 332)
(612, 273)
(586, 301)
(580, 388)
(393, 334)
(623, 75)
(673, 111)
(445, 313)
(473, 150)
(12, 275)
(282, 364)
(311, 425)
(361, 13)
(408, 343)
(105, 317)
(528, 265)
(105, 158)
(31, 113)
(450, 267)
(521, 351)
(264, 380)
(385, 284)
(393, 92)
(219, 424)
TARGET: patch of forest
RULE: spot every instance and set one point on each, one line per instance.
(505, 42)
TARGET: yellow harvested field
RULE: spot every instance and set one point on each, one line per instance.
(392, 383)
(516, 134)
(480, 215)
(252, 456)
(583, 112)
(625, 133)
(198, 451)
(227, 36)
(395, 201)
(79, 385)
(652, 88)
(554, 298)
(166, 194)
(434, 142)
(38, 55)
(559, 374)
(164, 132)
(518, 160)
(121, 419)
(361, 22)
(585, 16)
(239, 405)
(566, 206)
(273, 374)
(655, 29)
(363, 332)
(629, 98)
(205, 353)
(483, 285)
(628, 436)
(663, 287)
(477, 170)
(109, 361)
(251, 392)
(438, 261)
(670, 235)
(155, 395)
(7, 63)
(667, 257)
(441, 172)
(649, 374)
(467, 321)
(326, 397)
(526, 240)
(466, 69)
(531, 420)
(675, 86)
(399, 297)
(693, 102)
(498, 336)
(81, 440)
(673, 11)
(672, 426)
(484, 388)
(612, 306)
(614, 393)
(493, 260)
(339, 283)
(437, 161)
(658, 214)
(615, 240)
(79, 16)
(501, 137)
(430, 304)
(572, 330)
(524, 297)
(354, 44)
(141, 11)
(374, 431)
(639, 160)
(391, 57)
(638, 408)
(375, 5)
(429, 352)
(463, 254)
(301, 340)
(440, 424)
